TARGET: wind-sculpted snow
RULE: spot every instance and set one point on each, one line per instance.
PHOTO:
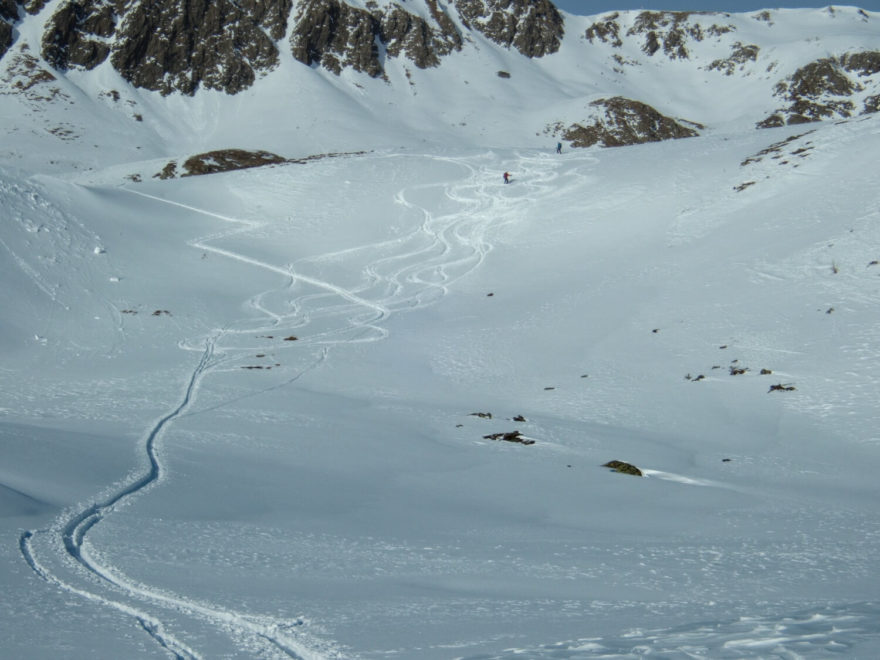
(820, 632)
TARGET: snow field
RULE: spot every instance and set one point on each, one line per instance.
(341, 499)
(237, 414)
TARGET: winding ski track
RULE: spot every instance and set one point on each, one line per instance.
(423, 264)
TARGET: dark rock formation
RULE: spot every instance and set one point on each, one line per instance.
(5, 37)
(669, 31)
(740, 55)
(169, 45)
(624, 122)
(409, 35)
(824, 88)
(606, 31)
(510, 436)
(180, 45)
(226, 160)
(8, 16)
(9, 10)
(534, 27)
(68, 39)
(222, 160)
(335, 35)
(623, 468)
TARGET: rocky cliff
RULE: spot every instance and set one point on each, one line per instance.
(533, 27)
(183, 45)
(9, 15)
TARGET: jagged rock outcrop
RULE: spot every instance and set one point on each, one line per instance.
(5, 37)
(669, 31)
(180, 45)
(607, 31)
(77, 33)
(335, 35)
(9, 16)
(826, 88)
(169, 45)
(534, 27)
(411, 36)
(620, 121)
(740, 55)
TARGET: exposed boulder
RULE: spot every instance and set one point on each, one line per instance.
(623, 468)
(620, 121)
(534, 27)
(510, 436)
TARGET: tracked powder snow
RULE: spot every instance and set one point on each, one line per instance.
(262, 413)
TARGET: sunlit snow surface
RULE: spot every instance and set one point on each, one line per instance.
(237, 414)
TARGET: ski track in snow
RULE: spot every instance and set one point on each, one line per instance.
(448, 247)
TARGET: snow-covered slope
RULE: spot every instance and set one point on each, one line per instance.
(251, 414)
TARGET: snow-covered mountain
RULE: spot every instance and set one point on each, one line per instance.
(288, 371)
(325, 75)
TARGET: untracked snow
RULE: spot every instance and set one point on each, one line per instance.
(246, 414)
